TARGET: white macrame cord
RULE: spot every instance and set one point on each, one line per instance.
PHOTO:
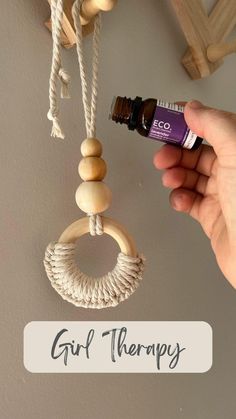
(63, 272)
(57, 72)
(90, 107)
(84, 291)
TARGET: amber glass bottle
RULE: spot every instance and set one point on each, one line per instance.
(155, 119)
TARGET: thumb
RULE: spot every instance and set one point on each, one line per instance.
(215, 126)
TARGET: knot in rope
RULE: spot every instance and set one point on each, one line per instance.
(65, 80)
(56, 128)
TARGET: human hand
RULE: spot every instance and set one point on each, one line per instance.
(203, 181)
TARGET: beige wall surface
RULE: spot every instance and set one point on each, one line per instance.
(141, 49)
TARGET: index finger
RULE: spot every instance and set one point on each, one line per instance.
(201, 159)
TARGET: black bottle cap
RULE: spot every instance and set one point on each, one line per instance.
(137, 102)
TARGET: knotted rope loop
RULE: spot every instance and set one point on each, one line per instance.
(95, 225)
(90, 105)
(57, 72)
(62, 270)
(85, 291)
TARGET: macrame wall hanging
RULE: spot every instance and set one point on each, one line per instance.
(92, 196)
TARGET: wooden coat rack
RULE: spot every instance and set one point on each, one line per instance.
(89, 10)
(205, 34)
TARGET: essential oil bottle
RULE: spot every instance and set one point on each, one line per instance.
(156, 119)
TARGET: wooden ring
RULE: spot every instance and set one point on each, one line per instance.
(80, 227)
(82, 290)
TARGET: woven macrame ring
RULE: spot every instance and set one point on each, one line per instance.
(81, 290)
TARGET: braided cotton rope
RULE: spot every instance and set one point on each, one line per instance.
(95, 225)
(84, 291)
(90, 109)
(90, 106)
(64, 274)
(57, 72)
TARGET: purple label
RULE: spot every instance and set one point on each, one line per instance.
(169, 125)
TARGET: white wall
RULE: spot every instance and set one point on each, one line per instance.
(141, 49)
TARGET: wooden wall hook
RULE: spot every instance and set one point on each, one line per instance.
(89, 10)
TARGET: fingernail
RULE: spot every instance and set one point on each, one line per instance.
(165, 181)
(195, 104)
(177, 201)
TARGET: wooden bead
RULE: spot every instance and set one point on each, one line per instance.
(93, 197)
(92, 168)
(91, 147)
